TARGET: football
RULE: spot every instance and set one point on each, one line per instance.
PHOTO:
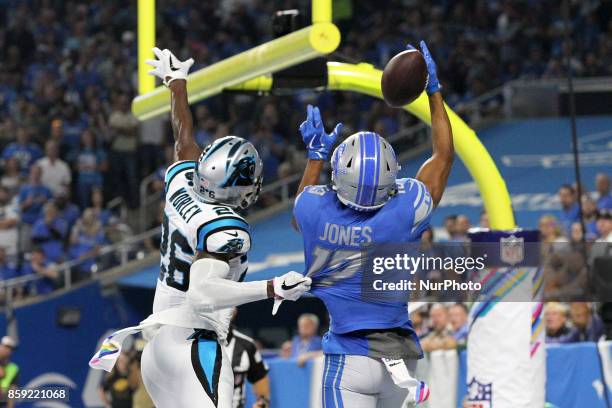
(404, 78)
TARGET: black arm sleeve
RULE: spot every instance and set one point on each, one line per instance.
(257, 367)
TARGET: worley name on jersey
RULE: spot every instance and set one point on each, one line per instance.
(184, 205)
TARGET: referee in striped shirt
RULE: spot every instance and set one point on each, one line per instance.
(248, 365)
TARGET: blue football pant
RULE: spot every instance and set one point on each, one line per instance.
(360, 381)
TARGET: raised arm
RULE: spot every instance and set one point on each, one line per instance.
(435, 171)
(185, 146)
(174, 75)
(318, 144)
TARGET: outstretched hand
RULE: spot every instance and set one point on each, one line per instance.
(167, 67)
(290, 286)
(433, 84)
(317, 142)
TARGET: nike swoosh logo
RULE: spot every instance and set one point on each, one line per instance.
(233, 234)
(172, 65)
(285, 287)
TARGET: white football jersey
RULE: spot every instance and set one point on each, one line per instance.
(191, 226)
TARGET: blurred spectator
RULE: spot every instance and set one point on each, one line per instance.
(555, 318)
(604, 198)
(152, 243)
(73, 123)
(551, 235)
(570, 211)
(418, 323)
(462, 225)
(589, 213)
(484, 220)
(55, 172)
(428, 246)
(116, 391)
(285, 350)
(306, 343)
(97, 204)
(9, 371)
(11, 177)
(458, 316)
(587, 326)
(159, 182)
(32, 198)
(140, 397)
(67, 211)
(205, 125)
(86, 239)
(46, 271)
(576, 236)
(440, 336)
(123, 156)
(8, 269)
(604, 226)
(9, 223)
(271, 148)
(49, 233)
(152, 138)
(25, 152)
(90, 165)
(450, 224)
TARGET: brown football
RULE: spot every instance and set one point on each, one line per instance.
(404, 78)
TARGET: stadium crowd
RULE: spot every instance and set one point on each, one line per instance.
(69, 142)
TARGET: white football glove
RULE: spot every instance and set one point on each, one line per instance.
(290, 286)
(167, 67)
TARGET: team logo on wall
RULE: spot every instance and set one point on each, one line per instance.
(512, 249)
(480, 395)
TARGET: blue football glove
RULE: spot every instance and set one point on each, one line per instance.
(313, 133)
(433, 84)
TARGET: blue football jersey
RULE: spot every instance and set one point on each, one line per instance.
(333, 236)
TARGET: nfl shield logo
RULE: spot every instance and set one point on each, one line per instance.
(512, 249)
(480, 395)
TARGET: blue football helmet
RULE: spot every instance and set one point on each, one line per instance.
(364, 169)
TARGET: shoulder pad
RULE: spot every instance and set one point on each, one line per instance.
(232, 229)
(228, 241)
(176, 168)
(419, 196)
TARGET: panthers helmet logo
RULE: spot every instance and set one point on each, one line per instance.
(243, 173)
